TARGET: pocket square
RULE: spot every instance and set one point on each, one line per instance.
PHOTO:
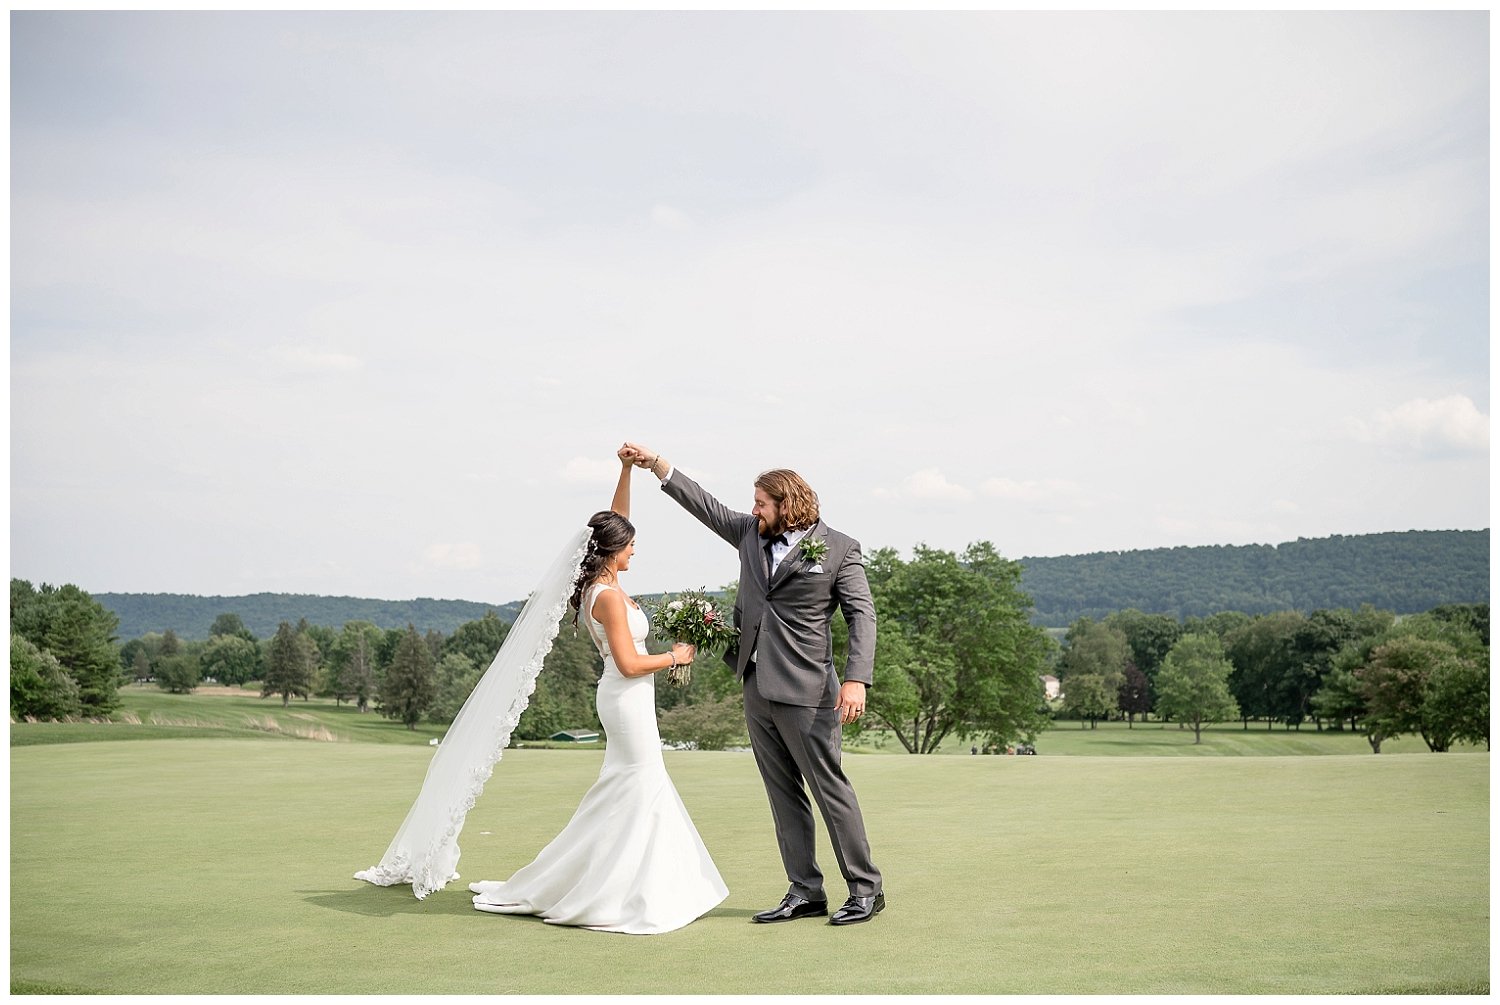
(816, 568)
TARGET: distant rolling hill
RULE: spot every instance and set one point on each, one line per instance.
(190, 616)
(1406, 572)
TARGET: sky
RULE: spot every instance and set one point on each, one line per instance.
(364, 303)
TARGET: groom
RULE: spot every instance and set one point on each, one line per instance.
(794, 570)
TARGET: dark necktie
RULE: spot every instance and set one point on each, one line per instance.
(770, 560)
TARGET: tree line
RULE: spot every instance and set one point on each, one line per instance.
(66, 663)
(1366, 670)
(958, 655)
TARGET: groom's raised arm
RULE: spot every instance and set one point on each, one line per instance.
(723, 521)
(714, 515)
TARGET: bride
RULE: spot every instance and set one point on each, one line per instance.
(630, 859)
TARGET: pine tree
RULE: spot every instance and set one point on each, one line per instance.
(289, 666)
(359, 675)
(79, 632)
(456, 677)
(410, 681)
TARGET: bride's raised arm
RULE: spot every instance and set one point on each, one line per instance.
(621, 503)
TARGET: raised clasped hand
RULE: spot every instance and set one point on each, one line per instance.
(683, 652)
(639, 453)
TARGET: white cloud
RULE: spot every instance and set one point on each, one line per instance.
(462, 555)
(929, 484)
(1444, 426)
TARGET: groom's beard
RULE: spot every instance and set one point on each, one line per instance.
(766, 530)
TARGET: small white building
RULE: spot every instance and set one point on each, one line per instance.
(1052, 686)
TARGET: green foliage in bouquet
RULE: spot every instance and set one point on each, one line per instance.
(693, 618)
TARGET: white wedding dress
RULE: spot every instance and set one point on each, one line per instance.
(630, 859)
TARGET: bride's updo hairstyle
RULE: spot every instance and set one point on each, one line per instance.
(795, 498)
(612, 535)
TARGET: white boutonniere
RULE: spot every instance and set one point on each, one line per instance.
(814, 549)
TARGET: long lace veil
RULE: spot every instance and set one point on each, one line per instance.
(425, 851)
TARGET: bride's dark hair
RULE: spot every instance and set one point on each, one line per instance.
(612, 535)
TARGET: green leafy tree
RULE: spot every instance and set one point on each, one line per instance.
(478, 640)
(386, 652)
(1341, 699)
(968, 661)
(1193, 685)
(434, 642)
(1150, 637)
(141, 666)
(1418, 685)
(1456, 703)
(410, 682)
(708, 724)
(1473, 617)
(456, 677)
(232, 625)
(231, 659)
(1350, 689)
(178, 673)
(1091, 670)
(290, 660)
(322, 636)
(352, 663)
(39, 687)
(1313, 648)
(1265, 657)
(78, 632)
(1135, 694)
(565, 689)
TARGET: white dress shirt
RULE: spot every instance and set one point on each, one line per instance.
(778, 550)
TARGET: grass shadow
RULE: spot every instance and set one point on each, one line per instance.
(386, 902)
(731, 912)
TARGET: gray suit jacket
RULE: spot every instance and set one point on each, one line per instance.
(788, 619)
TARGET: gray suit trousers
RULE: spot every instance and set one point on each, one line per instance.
(794, 744)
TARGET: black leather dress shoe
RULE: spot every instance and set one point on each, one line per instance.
(791, 908)
(857, 909)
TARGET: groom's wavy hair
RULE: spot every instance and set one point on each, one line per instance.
(795, 498)
(612, 535)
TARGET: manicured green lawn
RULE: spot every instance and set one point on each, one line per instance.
(150, 713)
(1224, 739)
(221, 865)
(147, 712)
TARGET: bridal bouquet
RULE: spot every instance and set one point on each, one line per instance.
(691, 618)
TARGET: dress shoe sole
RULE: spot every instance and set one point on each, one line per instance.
(791, 917)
